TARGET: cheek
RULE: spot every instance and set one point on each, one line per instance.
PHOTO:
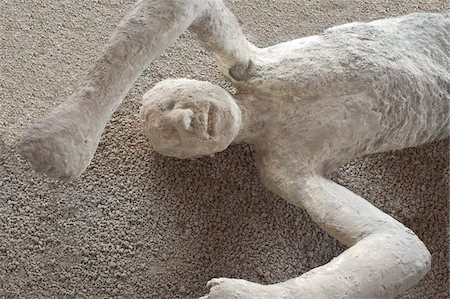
(198, 147)
(227, 127)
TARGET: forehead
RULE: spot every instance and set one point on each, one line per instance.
(194, 103)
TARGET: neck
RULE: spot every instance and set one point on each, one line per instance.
(253, 118)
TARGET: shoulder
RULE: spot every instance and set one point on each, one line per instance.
(282, 173)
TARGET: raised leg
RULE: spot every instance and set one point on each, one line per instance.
(384, 259)
(64, 142)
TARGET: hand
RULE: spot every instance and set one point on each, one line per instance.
(62, 144)
(228, 288)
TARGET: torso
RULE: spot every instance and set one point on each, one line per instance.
(355, 89)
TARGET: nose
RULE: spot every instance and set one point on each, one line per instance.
(180, 119)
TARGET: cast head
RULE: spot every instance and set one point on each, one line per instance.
(188, 118)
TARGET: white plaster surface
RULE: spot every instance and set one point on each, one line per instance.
(161, 158)
(308, 106)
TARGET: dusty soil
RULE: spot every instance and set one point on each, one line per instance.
(139, 225)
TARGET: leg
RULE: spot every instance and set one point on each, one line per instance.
(384, 259)
(63, 143)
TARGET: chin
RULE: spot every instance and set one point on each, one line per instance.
(189, 155)
(180, 154)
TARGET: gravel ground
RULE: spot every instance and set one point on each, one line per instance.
(139, 225)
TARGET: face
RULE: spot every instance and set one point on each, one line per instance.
(188, 118)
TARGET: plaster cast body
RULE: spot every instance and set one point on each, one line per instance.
(307, 105)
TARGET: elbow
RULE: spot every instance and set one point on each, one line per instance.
(394, 261)
(410, 247)
(413, 259)
(420, 256)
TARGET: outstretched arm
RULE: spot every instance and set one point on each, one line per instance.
(64, 142)
(384, 259)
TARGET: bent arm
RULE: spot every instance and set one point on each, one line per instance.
(63, 143)
(219, 32)
(385, 257)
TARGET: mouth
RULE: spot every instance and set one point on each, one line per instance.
(210, 121)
